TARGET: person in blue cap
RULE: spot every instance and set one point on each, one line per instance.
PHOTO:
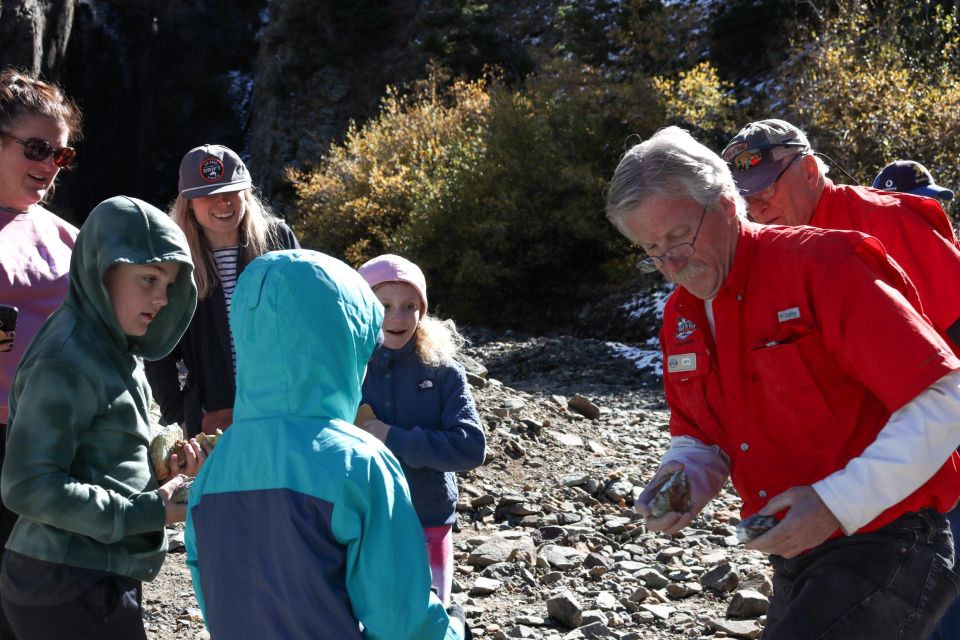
(912, 177)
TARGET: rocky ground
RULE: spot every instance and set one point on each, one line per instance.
(547, 545)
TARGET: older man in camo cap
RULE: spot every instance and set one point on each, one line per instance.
(784, 182)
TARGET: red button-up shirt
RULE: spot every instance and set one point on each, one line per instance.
(818, 342)
(915, 232)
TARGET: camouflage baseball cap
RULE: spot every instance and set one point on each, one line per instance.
(760, 152)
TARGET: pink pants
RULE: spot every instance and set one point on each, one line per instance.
(440, 552)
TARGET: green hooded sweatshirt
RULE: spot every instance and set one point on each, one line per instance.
(76, 466)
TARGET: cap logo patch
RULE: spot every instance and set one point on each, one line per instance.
(734, 149)
(685, 329)
(918, 175)
(211, 169)
(888, 184)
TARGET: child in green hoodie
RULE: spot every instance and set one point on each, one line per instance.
(77, 470)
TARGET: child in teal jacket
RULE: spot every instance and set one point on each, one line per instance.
(92, 516)
(300, 524)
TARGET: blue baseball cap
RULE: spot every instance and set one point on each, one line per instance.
(910, 177)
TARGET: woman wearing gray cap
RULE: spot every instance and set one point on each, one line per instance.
(227, 226)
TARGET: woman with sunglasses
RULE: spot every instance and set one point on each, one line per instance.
(37, 125)
(227, 226)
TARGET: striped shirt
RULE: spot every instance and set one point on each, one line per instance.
(227, 267)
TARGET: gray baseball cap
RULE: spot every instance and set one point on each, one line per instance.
(760, 152)
(212, 169)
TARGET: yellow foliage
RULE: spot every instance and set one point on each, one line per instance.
(386, 174)
(697, 98)
(865, 101)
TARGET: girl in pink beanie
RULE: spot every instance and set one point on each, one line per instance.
(421, 404)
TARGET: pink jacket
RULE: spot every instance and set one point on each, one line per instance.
(35, 252)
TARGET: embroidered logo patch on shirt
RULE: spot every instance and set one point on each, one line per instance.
(685, 329)
(788, 314)
(682, 362)
(423, 385)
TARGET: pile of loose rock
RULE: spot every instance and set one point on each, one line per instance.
(547, 544)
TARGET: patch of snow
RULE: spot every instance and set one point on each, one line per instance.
(641, 358)
(240, 88)
(647, 302)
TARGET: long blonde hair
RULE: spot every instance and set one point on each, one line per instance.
(438, 341)
(258, 234)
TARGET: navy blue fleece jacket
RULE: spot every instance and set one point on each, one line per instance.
(435, 429)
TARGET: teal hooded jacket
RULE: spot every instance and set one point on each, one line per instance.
(299, 524)
(76, 467)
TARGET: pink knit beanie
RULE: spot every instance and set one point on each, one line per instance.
(391, 268)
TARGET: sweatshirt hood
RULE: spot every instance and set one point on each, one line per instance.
(304, 326)
(126, 230)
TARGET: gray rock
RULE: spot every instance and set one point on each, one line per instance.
(597, 560)
(591, 616)
(575, 480)
(566, 439)
(747, 603)
(724, 578)
(659, 611)
(503, 549)
(737, 628)
(561, 558)
(596, 629)
(584, 406)
(565, 609)
(653, 578)
(484, 586)
(606, 601)
(619, 490)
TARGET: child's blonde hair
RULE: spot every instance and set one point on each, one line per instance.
(438, 341)
(258, 232)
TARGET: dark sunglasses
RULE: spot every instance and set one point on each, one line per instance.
(756, 156)
(38, 150)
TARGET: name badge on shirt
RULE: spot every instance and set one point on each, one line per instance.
(682, 362)
(788, 314)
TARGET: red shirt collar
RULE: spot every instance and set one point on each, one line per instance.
(824, 205)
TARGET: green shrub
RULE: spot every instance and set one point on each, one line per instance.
(391, 172)
(869, 89)
(497, 194)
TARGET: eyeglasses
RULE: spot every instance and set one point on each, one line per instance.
(755, 156)
(37, 150)
(767, 191)
(677, 253)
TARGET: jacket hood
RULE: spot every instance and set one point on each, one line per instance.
(304, 326)
(127, 230)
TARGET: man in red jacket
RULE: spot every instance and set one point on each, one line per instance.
(783, 182)
(795, 361)
(776, 170)
(912, 177)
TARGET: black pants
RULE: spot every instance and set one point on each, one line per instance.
(109, 610)
(891, 584)
(7, 520)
